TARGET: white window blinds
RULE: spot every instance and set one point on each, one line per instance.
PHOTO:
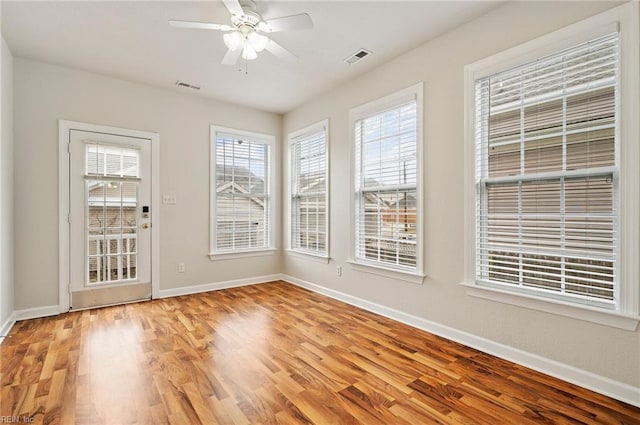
(546, 174)
(386, 190)
(111, 161)
(242, 194)
(309, 192)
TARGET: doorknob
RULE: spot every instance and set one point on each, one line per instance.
(145, 225)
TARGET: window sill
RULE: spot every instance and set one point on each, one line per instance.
(308, 256)
(215, 256)
(407, 276)
(563, 308)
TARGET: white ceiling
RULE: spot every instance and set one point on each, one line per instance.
(132, 40)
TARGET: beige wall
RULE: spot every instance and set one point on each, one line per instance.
(46, 93)
(6, 186)
(605, 351)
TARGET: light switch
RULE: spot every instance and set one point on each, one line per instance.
(168, 199)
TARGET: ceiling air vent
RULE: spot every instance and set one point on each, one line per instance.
(187, 85)
(357, 56)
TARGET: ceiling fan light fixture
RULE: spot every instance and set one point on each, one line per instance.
(243, 37)
(257, 41)
(248, 52)
(233, 40)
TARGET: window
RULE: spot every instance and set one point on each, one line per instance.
(242, 202)
(309, 189)
(387, 185)
(548, 174)
(111, 192)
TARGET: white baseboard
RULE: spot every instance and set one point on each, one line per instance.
(7, 325)
(600, 384)
(206, 287)
(37, 312)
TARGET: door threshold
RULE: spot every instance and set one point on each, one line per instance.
(110, 305)
(111, 295)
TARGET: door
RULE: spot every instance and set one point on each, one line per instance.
(109, 220)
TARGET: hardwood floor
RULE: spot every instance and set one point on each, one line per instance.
(269, 354)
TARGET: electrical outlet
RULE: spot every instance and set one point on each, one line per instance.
(339, 271)
(180, 267)
(169, 199)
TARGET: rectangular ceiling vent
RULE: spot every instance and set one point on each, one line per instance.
(357, 56)
(187, 85)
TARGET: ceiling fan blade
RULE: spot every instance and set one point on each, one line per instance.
(280, 52)
(232, 56)
(199, 25)
(301, 21)
(234, 7)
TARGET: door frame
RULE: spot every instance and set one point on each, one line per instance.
(64, 134)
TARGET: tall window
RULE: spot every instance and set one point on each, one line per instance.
(387, 183)
(553, 183)
(547, 173)
(242, 194)
(309, 188)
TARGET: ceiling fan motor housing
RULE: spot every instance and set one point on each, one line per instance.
(251, 17)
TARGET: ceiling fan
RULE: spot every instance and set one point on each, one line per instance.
(243, 37)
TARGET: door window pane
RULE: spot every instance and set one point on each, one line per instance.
(111, 230)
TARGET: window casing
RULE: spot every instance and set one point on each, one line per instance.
(242, 202)
(308, 157)
(387, 182)
(551, 180)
